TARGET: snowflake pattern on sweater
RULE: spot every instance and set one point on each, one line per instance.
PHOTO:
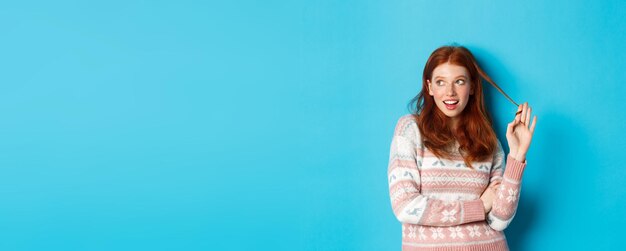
(438, 200)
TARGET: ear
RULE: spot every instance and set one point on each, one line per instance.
(430, 92)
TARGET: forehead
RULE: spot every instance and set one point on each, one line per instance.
(448, 70)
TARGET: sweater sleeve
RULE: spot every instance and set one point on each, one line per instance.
(407, 202)
(507, 195)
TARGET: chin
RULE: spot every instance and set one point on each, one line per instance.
(450, 114)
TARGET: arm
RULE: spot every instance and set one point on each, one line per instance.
(408, 204)
(508, 192)
(519, 134)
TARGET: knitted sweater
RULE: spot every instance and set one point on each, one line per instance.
(438, 200)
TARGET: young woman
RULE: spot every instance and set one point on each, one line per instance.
(448, 183)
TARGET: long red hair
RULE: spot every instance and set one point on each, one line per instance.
(475, 135)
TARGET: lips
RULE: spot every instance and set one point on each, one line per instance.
(451, 104)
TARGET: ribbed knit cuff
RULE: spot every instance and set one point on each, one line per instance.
(514, 168)
(474, 210)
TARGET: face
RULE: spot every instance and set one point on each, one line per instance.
(450, 88)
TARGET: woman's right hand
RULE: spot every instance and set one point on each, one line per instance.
(489, 195)
(519, 133)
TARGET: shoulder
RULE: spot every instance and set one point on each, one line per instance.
(498, 154)
(406, 126)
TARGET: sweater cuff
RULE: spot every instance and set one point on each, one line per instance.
(474, 210)
(514, 168)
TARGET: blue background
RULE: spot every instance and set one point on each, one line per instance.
(265, 125)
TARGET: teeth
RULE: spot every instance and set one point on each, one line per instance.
(451, 102)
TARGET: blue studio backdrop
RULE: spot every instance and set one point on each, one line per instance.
(266, 125)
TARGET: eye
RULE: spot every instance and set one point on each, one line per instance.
(439, 83)
(460, 82)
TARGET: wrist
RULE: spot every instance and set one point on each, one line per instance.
(521, 157)
(513, 150)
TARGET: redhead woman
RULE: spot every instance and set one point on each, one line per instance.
(450, 183)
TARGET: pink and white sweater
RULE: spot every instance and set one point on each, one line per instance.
(438, 200)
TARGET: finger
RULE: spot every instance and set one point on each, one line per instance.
(528, 116)
(510, 127)
(521, 115)
(532, 127)
(524, 110)
(494, 185)
(518, 114)
(519, 110)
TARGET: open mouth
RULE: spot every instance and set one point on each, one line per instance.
(451, 104)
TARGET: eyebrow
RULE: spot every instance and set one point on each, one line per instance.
(463, 76)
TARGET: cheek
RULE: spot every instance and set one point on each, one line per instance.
(465, 92)
(436, 93)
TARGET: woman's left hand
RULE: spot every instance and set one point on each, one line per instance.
(519, 132)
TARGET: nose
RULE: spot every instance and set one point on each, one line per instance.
(450, 90)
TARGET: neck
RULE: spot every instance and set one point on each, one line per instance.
(454, 122)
